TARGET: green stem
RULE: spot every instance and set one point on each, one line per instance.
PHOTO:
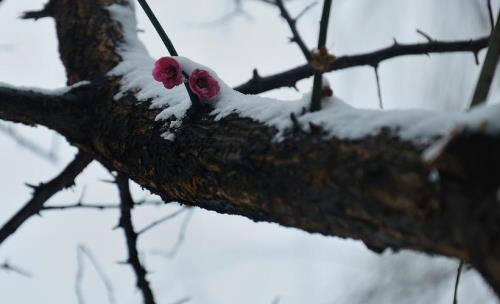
(159, 29)
(489, 65)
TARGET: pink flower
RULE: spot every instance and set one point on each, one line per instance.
(203, 85)
(168, 71)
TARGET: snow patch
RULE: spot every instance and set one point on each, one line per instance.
(336, 118)
(59, 91)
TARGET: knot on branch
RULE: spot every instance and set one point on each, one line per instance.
(321, 59)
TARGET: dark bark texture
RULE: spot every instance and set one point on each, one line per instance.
(377, 189)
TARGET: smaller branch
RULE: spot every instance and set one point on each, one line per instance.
(43, 192)
(457, 281)
(318, 74)
(46, 11)
(168, 44)
(15, 269)
(425, 35)
(162, 220)
(90, 206)
(305, 10)
(127, 203)
(159, 29)
(292, 24)
(180, 238)
(379, 91)
(50, 156)
(489, 66)
(490, 15)
(290, 77)
(182, 300)
(81, 251)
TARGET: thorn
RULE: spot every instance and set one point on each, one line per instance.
(425, 35)
(255, 74)
(476, 57)
(396, 43)
(108, 181)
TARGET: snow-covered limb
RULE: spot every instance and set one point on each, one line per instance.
(341, 171)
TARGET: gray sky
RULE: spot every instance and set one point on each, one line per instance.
(229, 259)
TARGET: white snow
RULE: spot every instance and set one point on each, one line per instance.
(336, 117)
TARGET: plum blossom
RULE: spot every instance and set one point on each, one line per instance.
(203, 85)
(168, 71)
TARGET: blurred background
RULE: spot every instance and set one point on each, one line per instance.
(230, 259)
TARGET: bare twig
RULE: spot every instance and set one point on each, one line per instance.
(89, 206)
(425, 35)
(457, 281)
(7, 266)
(29, 145)
(162, 220)
(318, 74)
(379, 91)
(180, 238)
(127, 203)
(490, 15)
(489, 66)
(44, 192)
(182, 300)
(290, 77)
(81, 251)
(292, 23)
(305, 10)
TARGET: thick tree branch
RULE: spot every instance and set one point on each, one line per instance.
(44, 192)
(63, 112)
(127, 203)
(290, 77)
(375, 188)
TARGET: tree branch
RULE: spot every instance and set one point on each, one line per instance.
(290, 77)
(44, 192)
(292, 23)
(322, 51)
(58, 111)
(375, 188)
(489, 66)
(127, 204)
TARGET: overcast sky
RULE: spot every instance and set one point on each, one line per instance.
(229, 259)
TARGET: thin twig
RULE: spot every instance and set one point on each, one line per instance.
(180, 238)
(43, 192)
(290, 77)
(159, 29)
(425, 35)
(28, 144)
(127, 203)
(318, 74)
(81, 205)
(379, 91)
(457, 281)
(168, 44)
(490, 15)
(292, 24)
(162, 220)
(182, 300)
(489, 66)
(7, 266)
(81, 251)
(305, 10)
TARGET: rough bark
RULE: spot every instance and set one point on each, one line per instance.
(376, 189)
